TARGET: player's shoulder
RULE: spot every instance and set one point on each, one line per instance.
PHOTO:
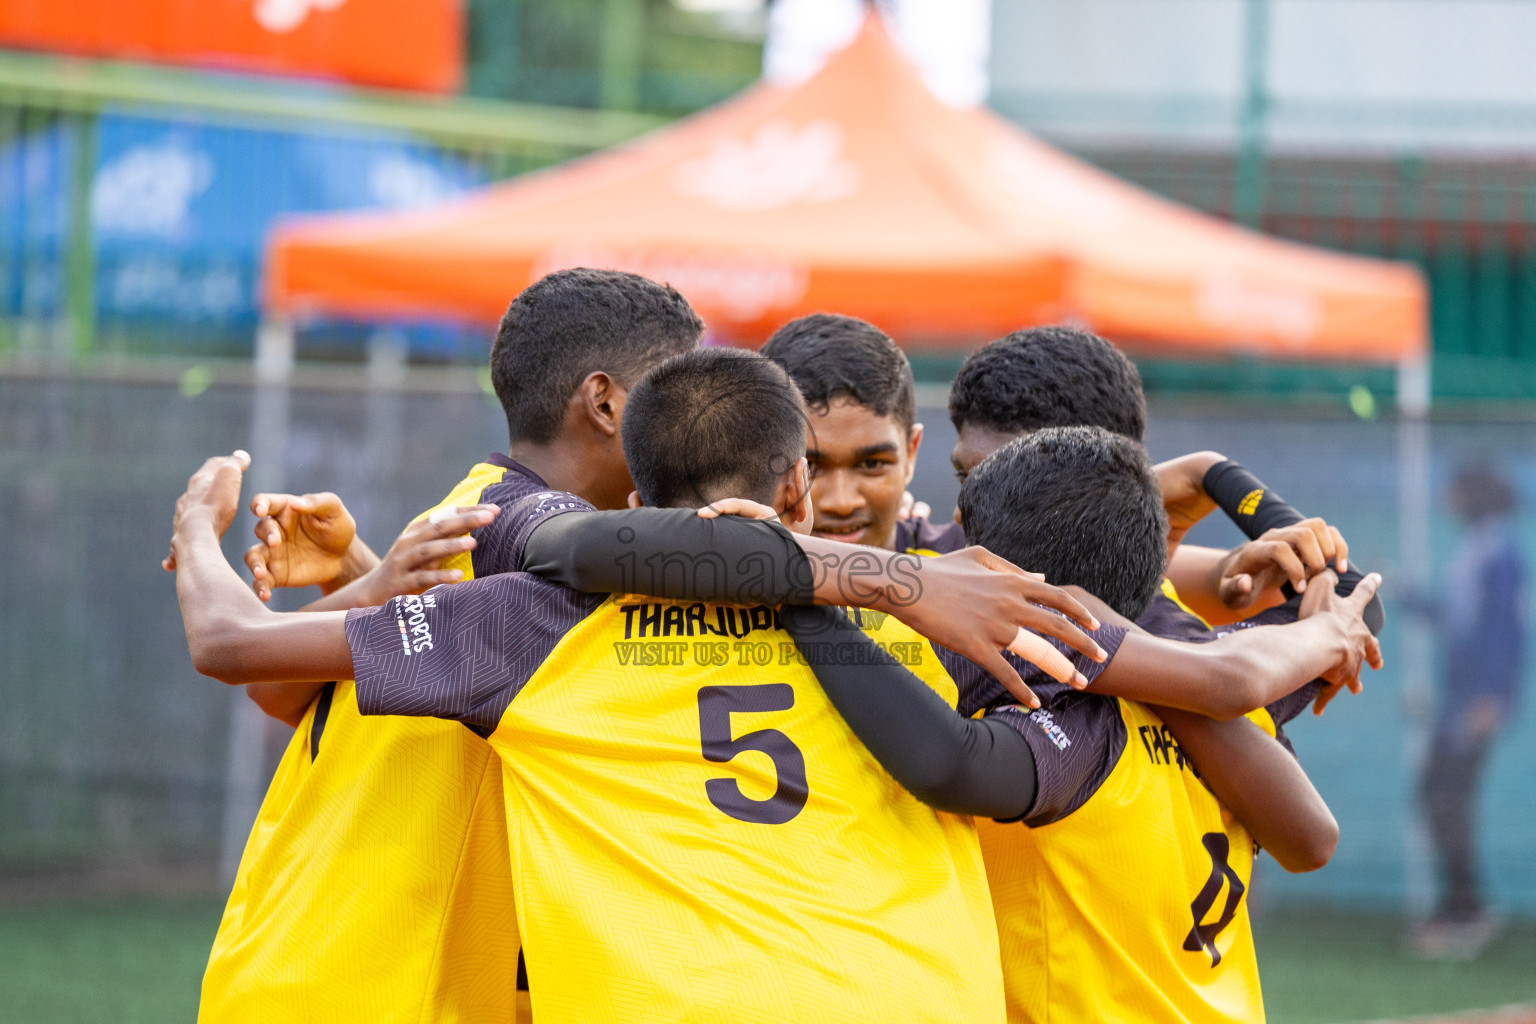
(919, 535)
(1167, 616)
(470, 490)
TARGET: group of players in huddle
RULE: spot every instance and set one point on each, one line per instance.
(712, 727)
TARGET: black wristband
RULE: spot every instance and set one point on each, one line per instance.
(1246, 501)
(1256, 509)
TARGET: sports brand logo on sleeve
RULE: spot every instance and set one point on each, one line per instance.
(1250, 503)
(1047, 724)
(411, 616)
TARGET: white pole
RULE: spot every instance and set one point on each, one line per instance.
(1414, 650)
(246, 766)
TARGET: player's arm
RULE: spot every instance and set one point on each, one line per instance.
(1250, 668)
(1284, 550)
(409, 567)
(231, 635)
(1262, 784)
(962, 765)
(676, 553)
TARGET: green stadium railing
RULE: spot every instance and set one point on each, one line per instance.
(39, 92)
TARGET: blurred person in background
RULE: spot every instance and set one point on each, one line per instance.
(1482, 629)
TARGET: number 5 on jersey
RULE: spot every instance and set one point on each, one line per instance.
(716, 705)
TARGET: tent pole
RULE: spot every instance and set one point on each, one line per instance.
(1414, 649)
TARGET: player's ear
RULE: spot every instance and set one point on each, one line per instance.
(914, 442)
(794, 498)
(602, 400)
(634, 500)
(957, 518)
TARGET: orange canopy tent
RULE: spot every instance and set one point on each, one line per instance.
(859, 192)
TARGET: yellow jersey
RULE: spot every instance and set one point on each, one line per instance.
(695, 833)
(1124, 898)
(375, 884)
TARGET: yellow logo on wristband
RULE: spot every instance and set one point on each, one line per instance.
(1250, 502)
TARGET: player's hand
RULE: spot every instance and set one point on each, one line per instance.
(413, 562)
(743, 507)
(1182, 481)
(911, 508)
(303, 540)
(1358, 647)
(1286, 554)
(212, 496)
(979, 605)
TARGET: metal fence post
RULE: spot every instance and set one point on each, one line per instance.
(623, 39)
(245, 767)
(80, 273)
(1413, 455)
(1248, 198)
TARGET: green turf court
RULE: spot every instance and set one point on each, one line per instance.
(139, 961)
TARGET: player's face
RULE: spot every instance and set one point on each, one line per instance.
(974, 444)
(861, 462)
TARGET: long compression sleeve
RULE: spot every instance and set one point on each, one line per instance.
(963, 765)
(966, 766)
(1256, 509)
(672, 553)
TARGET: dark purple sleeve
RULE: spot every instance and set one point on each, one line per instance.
(1294, 703)
(978, 688)
(1076, 738)
(499, 545)
(461, 652)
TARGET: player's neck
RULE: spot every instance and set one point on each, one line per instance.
(564, 466)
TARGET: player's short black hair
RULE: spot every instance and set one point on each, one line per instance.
(1053, 376)
(710, 424)
(832, 356)
(577, 322)
(1079, 504)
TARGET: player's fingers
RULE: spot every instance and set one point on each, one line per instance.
(433, 551)
(269, 503)
(1340, 549)
(256, 560)
(1036, 591)
(1305, 543)
(1047, 658)
(448, 522)
(1324, 698)
(1047, 623)
(1277, 561)
(426, 579)
(1236, 592)
(1322, 533)
(1373, 654)
(324, 504)
(1006, 674)
(269, 531)
(737, 507)
(1284, 559)
(1365, 590)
